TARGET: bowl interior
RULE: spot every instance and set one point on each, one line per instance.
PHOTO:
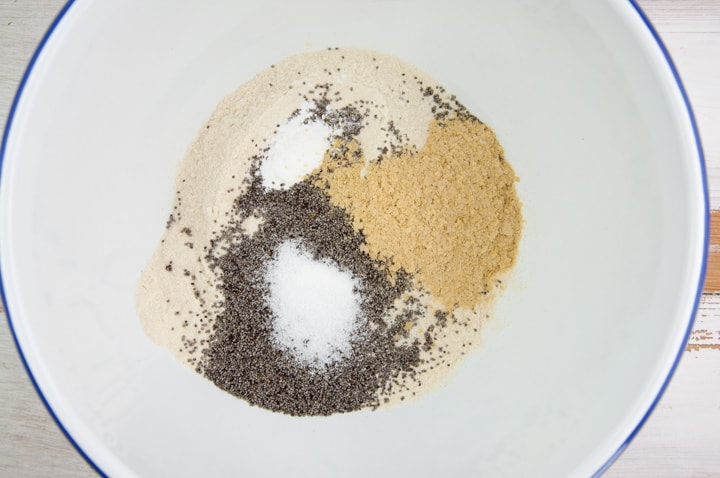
(583, 339)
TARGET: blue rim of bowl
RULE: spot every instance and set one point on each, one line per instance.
(6, 134)
(698, 293)
(703, 269)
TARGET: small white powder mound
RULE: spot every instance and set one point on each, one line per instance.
(316, 306)
(297, 149)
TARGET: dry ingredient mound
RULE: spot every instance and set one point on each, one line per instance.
(371, 176)
(447, 213)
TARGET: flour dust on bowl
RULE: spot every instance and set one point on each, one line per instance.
(100, 213)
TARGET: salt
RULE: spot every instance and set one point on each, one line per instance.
(296, 150)
(315, 304)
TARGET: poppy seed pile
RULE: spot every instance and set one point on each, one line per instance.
(336, 245)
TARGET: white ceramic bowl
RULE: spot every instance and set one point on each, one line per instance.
(592, 116)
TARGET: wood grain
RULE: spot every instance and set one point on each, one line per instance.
(683, 16)
(712, 278)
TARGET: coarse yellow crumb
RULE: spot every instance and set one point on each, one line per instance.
(448, 213)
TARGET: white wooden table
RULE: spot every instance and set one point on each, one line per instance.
(681, 438)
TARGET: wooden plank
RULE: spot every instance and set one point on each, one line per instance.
(705, 335)
(683, 16)
(712, 278)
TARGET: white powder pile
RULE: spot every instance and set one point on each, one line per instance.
(296, 150)
(316, 306)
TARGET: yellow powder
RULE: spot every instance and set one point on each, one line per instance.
(448, 213)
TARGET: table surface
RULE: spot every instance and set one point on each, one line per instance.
(682, 436)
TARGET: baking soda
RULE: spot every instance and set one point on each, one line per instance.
(315, 305)
(296, 150)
